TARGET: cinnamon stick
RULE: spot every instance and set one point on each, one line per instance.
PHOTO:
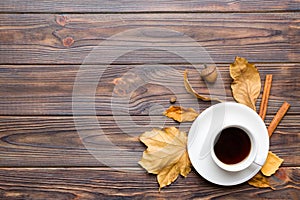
(265, 97)
(279, 115)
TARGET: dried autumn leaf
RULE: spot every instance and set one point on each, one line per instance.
(246, 83)
(166, 154)
(190, 89)
(181, 114)
(271, 165)
(260, 181)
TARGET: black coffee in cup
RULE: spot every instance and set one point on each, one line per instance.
(232, 146)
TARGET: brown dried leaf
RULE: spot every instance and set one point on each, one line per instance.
(166, 154)
(272, 164)
(260, 181)
(181, 114)
(190, 89)
(246, 83)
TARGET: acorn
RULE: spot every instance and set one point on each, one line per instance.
(209, 74)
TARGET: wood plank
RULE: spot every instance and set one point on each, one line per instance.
(47, 89)
(103, 183)
(146, 6)
(54, 141)
(69, 39)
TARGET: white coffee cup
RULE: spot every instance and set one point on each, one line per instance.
(205, 131)
(243, 164)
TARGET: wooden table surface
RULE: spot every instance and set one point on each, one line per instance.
(43, 45)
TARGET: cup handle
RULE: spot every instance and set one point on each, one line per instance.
(259, 160)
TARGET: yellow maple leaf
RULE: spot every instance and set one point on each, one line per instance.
(246, 83)
(271, 165)
(166, 154)
(181, 114)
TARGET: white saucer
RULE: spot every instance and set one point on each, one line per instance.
(200, 136)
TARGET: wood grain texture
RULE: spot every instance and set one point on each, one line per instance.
(54, 141)
(47, 153)
(147, 6)
(69, 39)
(47, 89)
(105, 183)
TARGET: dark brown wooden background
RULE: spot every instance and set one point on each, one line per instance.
(42, 45)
